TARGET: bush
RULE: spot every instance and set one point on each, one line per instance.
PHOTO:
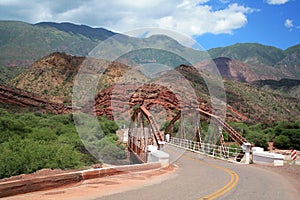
(258, 139)
(110, 152)
(27, 156)
(282, 142)
(108, 126)
(164, 125)
(291, 130)
(32, 141)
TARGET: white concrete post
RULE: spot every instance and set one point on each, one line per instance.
(246, 147)
(168, 138)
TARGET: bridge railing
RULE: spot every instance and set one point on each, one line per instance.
(206, 148)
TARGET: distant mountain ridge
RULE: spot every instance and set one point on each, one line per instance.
(266, 62)
(97, 34)
(250, 53)
(21, 44)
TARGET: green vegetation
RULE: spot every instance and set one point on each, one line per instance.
(32, 141)
(7, 73)
(251, 53)
(95, 34)
(22, 43)
(260, 106)
(284, 87)
(285, 135)
(153, 57)
(264, 60)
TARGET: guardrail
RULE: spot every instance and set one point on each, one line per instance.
(206, 148)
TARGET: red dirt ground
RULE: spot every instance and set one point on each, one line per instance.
(98, 187)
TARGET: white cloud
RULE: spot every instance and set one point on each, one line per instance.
(224, 1)
(8, 2)
(289, 23)
(192, 17)
(277, 2)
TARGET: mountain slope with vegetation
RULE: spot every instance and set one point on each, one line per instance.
(52, 78)
(8, 73)
(250, 53)
(22, 43)
(284, 87)
(261, 111)
(255, 104)
(290, 64)
(95, 34)
(266, 62)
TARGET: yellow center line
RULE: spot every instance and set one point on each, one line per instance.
(234, 179)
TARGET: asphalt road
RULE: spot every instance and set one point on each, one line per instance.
(201, 177)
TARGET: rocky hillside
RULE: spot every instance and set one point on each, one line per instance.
(284, 87)
(52, 78)
(240, 71)
(264, 62)
(247, 101)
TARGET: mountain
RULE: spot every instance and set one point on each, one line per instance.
(235, 70)
(8, 73)
(284, 87)
(96, 34)
(250, 53)
(266, 62)
(52, 78)
(240, 71)
(155, 48)
(290, 64)
(22, 43)
(247, 101)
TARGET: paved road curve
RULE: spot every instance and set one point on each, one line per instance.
(196, 178)
(200, 177)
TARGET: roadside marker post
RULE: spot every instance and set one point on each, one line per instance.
(294, 156)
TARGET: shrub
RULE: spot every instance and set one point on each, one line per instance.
(282, 142)
(258, 139)
(108, 126)
(27, 156)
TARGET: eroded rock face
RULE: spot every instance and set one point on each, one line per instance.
(123, 98)
(22, 98)
(49, 83)
(116, 99)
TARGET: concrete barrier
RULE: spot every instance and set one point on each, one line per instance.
(161, 157)
(263, 157)
(10, 188)
(40, 183)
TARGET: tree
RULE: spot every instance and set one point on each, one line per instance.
(258, 139)
(108, 126)
(282, 142)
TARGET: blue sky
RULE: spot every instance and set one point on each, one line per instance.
(275, 25)
(213, 23)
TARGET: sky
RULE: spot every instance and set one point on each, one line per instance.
(212, 23)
